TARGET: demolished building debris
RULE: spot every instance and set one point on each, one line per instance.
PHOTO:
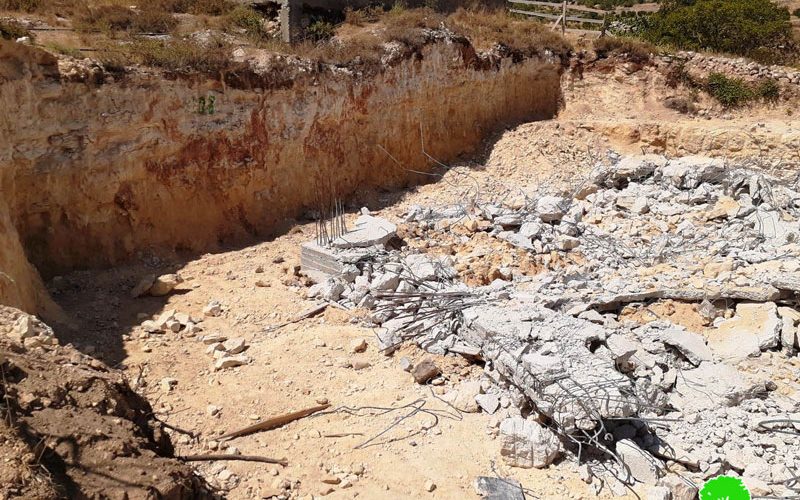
(566, 371)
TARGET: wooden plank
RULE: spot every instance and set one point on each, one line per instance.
(554, 16)
(558, 6)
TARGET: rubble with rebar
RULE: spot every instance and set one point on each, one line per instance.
(631, 400)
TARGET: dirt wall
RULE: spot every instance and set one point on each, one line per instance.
(91, 173)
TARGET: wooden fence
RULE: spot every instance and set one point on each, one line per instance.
(563, 18)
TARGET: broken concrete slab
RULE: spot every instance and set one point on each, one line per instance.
(637, 167)
(688, 172)
(754, 328)
(429, 267)
(369, 231)
(641, 466)
(527, 444)
(691, 345)
(713, 385)
(572, 387)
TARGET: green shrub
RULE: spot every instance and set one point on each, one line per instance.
(11, 30)
(730, 92)
(768, 90)
(320, 30)
(753, 28)
(796, 13)
(246, 19)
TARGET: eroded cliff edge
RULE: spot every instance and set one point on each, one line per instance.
(94, 170)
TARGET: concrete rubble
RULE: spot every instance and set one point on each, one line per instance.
(569, 367)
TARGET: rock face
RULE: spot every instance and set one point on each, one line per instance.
(237, 169)
(526, 444)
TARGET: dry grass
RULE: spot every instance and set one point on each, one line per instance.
(114, 18)
(175, 55)
(634, 50)
(486, 28)
(408, 25)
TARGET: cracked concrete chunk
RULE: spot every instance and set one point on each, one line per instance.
(680, 488)
(637, 166)
(690, 171)
(641, 465)
(713, 385)
(489, 403)
(462, 397)
(527, 444)
(691, 345)
(754, 328)
(369, 231)
(552, 208)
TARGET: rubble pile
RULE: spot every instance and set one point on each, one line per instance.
(566, 370)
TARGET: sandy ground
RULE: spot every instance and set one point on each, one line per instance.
(303, 363)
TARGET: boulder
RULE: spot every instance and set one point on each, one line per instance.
(143, 286)
(424, 371)
(231, 362)
(526, 444)
(165, 284)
